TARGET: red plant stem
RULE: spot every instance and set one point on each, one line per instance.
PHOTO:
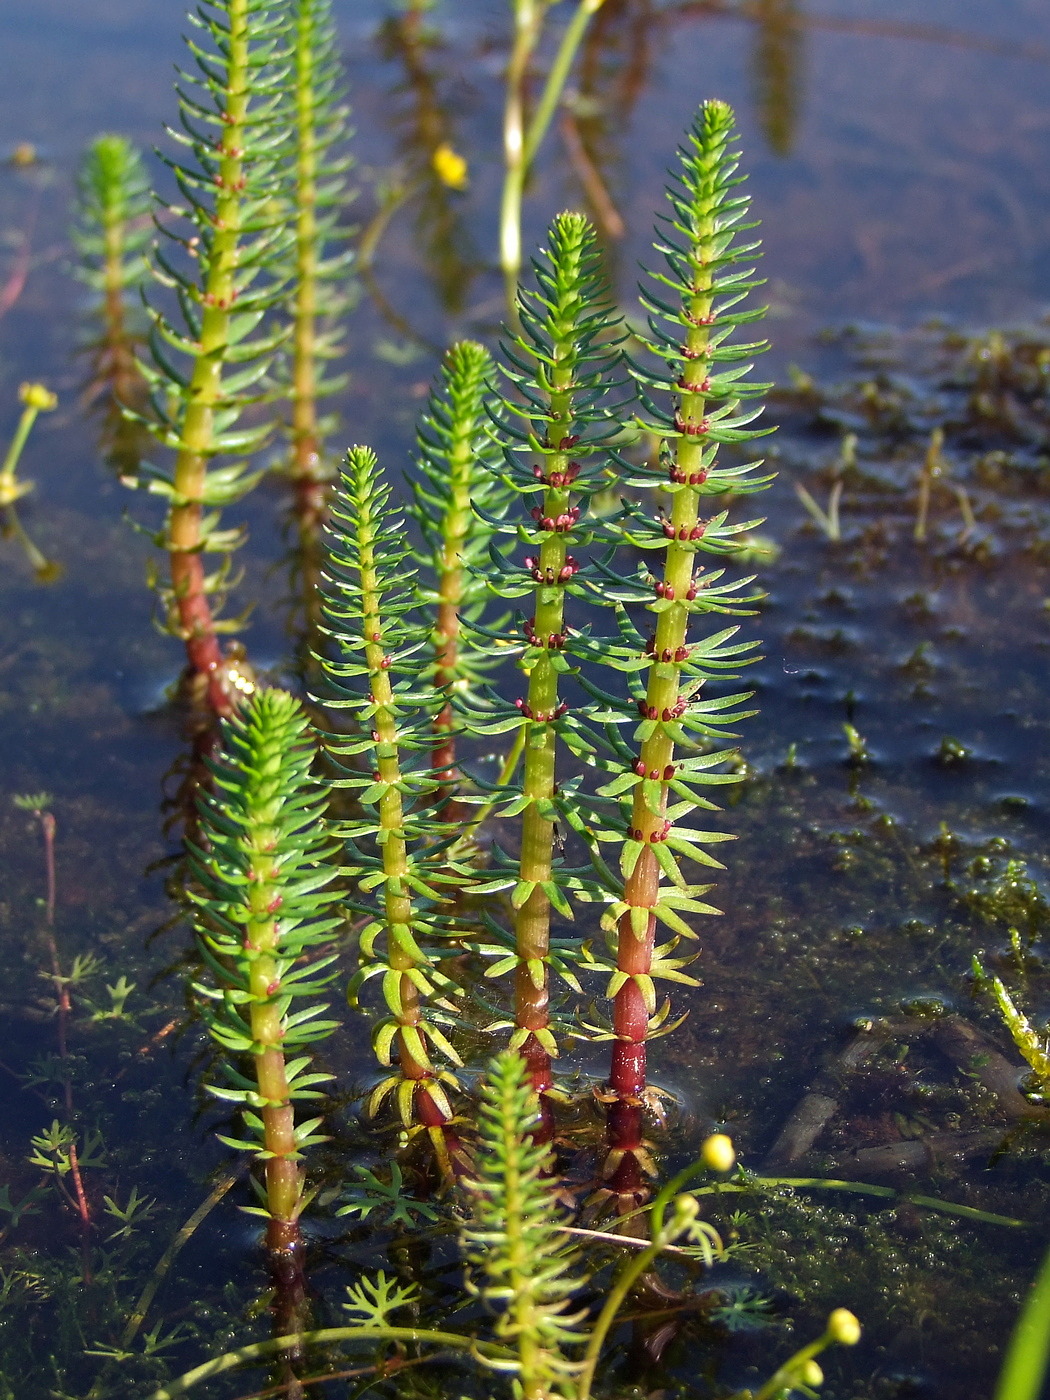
(546, 634)
(649, 826)
(205, 393)
(65, 1006)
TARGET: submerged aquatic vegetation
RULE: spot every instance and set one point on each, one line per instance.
(1034, 1047)
(547, 1341)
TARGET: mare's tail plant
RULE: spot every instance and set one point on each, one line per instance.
(527, 1264)
(395, 847)
(263, 898)
(560, 365)
(321, 261)
(111, 235)
(207, 365)
(455, 488)
(697, 401)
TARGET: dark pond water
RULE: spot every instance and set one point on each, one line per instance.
(894, 816)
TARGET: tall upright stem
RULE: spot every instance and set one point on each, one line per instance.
(185, 540)
(521, 141)
(420, 1092)
(545, 634)
(649, 824)
(456, 526)
(528, 25)
(307, 475)
(708, 407)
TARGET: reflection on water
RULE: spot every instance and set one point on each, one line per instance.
(898, 157)
(778, 82)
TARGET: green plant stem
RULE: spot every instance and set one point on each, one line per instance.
(295, 1341)
(528, 25)
(557, 78)
(521, 141)
(184, 536)
(818, 1183)
(419, 1093)
(506, 773)
(262, 936)
(10, 487)
(1024, 1367)
(637, 932)
(661, 1235)
(307, 473)
(533, 1037)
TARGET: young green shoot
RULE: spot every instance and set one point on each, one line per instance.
(262, 891)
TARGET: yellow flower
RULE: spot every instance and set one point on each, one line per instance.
(36, 396)
(450, 167)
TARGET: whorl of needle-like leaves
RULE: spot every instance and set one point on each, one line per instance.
(261, 886)
(112, 226)
(454, 488)
(696, 401)
(525, 1264)
(319, 260)
(217, 253)
(380, 679)
(556, 420)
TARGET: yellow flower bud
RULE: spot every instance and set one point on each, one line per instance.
(717, 1153)
(450, 167)
(843, 1327)
(811, 1374)
(38, 397)
(24, 155)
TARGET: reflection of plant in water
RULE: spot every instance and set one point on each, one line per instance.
(776, 63)
(111, 233)
(426, 134)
